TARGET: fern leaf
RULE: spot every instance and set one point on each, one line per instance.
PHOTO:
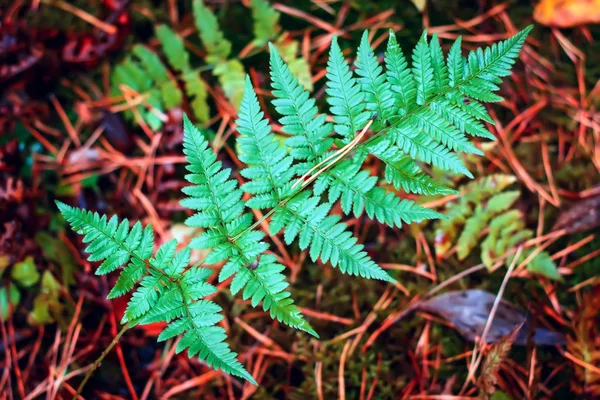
(208, 342)
(357, 193)
(265, 22)
(107, 238)
(172, 46)
(471, 107)
(220, 207)
(217, 47)
(231, 77)
(472, 194)
(196, 89)
(475, 225)
(143, 298)
(425, 149)
(402, 172)
(378, 95)
(288, 49)
(498, 59)
(327, 237)
(456, 63)
(158, 298)
(271, 166)
(422, 69)
(310, 134)
(389, 209)
(151, 62)
(438, 128)
(399, 76)
(267, 284)
(440, 70)
(464, 122)
(344, 95)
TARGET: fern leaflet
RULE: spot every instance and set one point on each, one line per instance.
(164, 292)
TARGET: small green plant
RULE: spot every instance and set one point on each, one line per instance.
(417, 114)
(165, 88)
(484, 204)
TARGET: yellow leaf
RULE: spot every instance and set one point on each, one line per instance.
(567, 13)
(420, 4)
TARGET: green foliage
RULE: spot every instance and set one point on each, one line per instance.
(163, 87)
(147, 75)
(266, 22)
(484, 204)
(25, 273)
(221, 210)
(267, 29)
(230, 72)
(164, 289)
(46, 304)
(417, 113)
(10, 297)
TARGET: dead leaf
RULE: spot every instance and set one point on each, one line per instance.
(488, 380)
(581, 216)
(468, 311)
(567, 13)
(584, 344)
(420, 4)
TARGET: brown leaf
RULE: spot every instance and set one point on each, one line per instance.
(567, 13)
(468, 311)
(487, 380)
(584, 345)
(581, 216)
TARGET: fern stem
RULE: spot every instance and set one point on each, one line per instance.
(341, 153)
(336, 156)
(99, 360)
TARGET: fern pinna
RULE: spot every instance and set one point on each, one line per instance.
(413, 115)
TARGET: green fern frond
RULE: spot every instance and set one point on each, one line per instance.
(217, 47)
(378, 95)
(476, 224)
(310, 135)
(456, 63)
(265, 22)
(438, 128)
(147, 75)
(195, 88)
(472, 194)
(178, 57)
(289, 51)
(440, 70)
(271, 166)
(484, 204)
(231, 76)
(302, 215)
(462, 121)
(345, 97)
(402, 171)
(399, 76)
(230, 72)
(327, 238)
(172, 46)
(155, 68)
(164, 292)
(221, 210)
(423, 113)
(422, 69)
(423, 148)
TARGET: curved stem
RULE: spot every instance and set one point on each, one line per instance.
(99, 360)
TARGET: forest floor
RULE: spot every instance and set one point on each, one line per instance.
(66, 132)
